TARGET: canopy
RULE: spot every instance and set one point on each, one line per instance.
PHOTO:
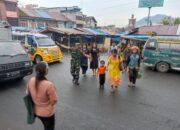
(136, 37)
(96, 31)
(64, 31)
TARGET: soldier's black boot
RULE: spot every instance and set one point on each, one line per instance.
(74, 79)
(77, 82)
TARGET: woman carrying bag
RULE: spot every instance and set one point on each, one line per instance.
(133, 63)
(44, 97)
(114, 65)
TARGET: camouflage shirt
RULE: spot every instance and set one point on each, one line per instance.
(75, 56)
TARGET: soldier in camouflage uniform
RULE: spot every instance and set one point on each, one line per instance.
(75, 61)
(75, 64)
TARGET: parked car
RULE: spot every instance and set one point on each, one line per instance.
(40, 47)
(14, 61)
(162, 53)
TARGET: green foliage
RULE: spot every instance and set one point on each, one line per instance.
(22, 14)
(170, 21)
(177, 21)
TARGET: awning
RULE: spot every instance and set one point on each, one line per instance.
(136, 37)
(93, 31)
(21, 29)
(64, 31)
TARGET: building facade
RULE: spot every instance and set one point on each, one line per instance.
(90, 22)
(34, 18)
(9, 11)
(74, 14)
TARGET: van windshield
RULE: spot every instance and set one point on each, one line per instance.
(11, 49)
(151, 44)
(44, 41)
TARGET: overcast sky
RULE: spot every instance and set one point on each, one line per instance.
(111, 11)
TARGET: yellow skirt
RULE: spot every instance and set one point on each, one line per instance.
(115, 81)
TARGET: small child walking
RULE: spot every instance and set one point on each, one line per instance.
(101, 71)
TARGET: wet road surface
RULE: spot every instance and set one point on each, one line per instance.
(153, 105)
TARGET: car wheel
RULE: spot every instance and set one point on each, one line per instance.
(38, 59)
(163, 67)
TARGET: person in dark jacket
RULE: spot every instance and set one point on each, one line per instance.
(84, 59)
(94, 54)
(133, 64)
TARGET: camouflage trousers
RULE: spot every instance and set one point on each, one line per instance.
(75, 70)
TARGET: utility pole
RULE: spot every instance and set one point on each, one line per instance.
(148, 21)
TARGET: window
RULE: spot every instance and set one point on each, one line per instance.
(44, 41)
(31, 41)
(11, 7)
(19, 38)
(151, 44)
(164, 46)
(175, 48)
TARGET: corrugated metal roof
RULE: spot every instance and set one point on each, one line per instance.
(42, 14)
(159, 29)
(29, 12)
(58, 16)
(36, 13)
(65, 31)
(96, 31)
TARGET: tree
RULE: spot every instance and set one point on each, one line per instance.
(176, 21)
(167, 20)
(170, 21)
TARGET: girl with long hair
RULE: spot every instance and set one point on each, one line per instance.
(44, 96)
(94, 58)
(84, 59)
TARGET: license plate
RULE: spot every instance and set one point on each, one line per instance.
(12, 74)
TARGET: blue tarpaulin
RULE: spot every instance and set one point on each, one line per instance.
(21, 29)
(96, 31)
(116, 39)
(137, 37)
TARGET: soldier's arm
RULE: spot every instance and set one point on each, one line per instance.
(64, 46)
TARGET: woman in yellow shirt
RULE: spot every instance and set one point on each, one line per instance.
(115, 63)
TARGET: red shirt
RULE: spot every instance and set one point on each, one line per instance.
(101, 70)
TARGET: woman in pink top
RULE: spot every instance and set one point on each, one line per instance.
(44, 96)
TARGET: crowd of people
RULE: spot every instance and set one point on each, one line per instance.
(43, 91)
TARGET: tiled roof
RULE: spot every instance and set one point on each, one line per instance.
(159, 29)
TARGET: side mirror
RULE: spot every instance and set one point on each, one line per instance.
(27, 46)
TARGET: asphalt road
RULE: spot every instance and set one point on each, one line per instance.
(153, 105)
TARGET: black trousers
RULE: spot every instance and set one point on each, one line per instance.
(84, 69)
(102, 79)
(133, 73)
(48, 122)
